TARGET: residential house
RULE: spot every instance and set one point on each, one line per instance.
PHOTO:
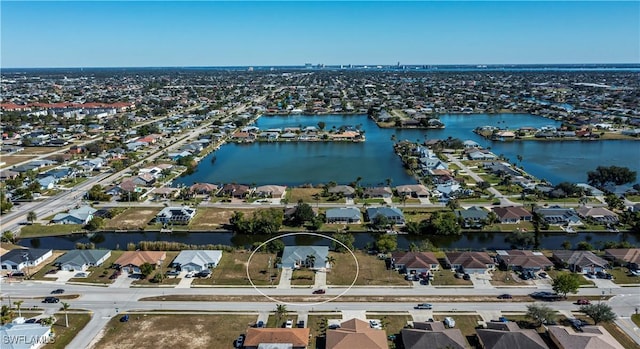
(500, 168)
(20, 335)
(393, 214)
(356, 334)
(523, 260)
(474, 216)
(81, 215)
(238, 191)
(204, 188)
(469, 261)
(589, 337)
(512, 214)
(598, 214)
(378, 192)
(197, 260)
(349, 215)
(556, 215)
(144, 180)
(579, 261)
(433, 335)
(345, 190)
(271, 191)
(164, 193)
(449, 189)
(480, 155)
(629, 257)
(18, 259)
(130, 261)
(47, 183)
(507, 335)
(413, 190)
(81, 260)
(8, 174)
(267, 338)
(415, 262)
(176, 215)
(296, 257)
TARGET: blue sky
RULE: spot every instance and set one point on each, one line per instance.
(165, 33)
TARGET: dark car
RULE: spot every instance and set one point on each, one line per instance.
(124, 318)
(583, 302)
(423, 306)
(466, 277)
(173, 273)
(260, 324)
(57, 291)
(505, 296)
(320, 291)
(31, 321)
(51, 300)
(17, 274)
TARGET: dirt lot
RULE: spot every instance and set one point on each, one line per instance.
(150, 331)
(213, 218)
(11, 160)
(132, 218)
(232, 270)
(372, 271)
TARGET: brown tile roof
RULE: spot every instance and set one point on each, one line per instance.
(526, 259)
(511, 212)
(433, 335)
(356, 334)
(592, 337)
(631, 255)
(298, 337)
(137, 258)
(509, 336)
(415, 259)
(469, 259)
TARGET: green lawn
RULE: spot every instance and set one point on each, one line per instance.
(64, 335)
(39, 230)
(636, 319)
(302, 277)
(554, 273)
(506, 278)
(315, 325)
(465, 323)
(275, 322)
(621, 275)
(447, 278)
(171, 255)
(372, 271)
(232, 270)
(100, 274)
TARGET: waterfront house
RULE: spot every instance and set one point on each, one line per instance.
(164, 193)
(415, 262)
(500, 169)
(523, 260)
(349, 215)
(145, 180)
(204, 188)
(81, 215)
(413, 190)
(589, 337)
(512, 214)
(176, 215)
(378, 192)
(20, 335)
(469, 261)
(267, 338)
(629, 257)
(579, 261)
(393, 214)
(344, 190)
(433, 335)
(130, 261)
(270, 191)
(197, 260)
(81, 260)
(20, 258)
(356, 334)
(472, 217)
(296, 257)
(598, 214)
(238, 191)
(556, 215)
(507, 335)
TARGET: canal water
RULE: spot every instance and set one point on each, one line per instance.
(474, 241)
(298, 163)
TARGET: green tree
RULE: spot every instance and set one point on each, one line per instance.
(8, 236)
(614, 202)
(5, 203)
(31, 216)
(521, 239)
(584, 246)
(566, 244)
(345, 238)
(281, 312)
(303, 213)
(311, 261)
(604, 175)
(321, 125)
(146, 269)
(600, 312)
(387, 242)
(540, 313)
(441, 223)
(18, 305)
(330, 260)
(6, 314)
(65, 308)
(95, 223)
(380, 222)
(566, 283)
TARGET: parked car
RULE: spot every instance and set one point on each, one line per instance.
(300, 324)
(57, 291)
(124, 318)
(543, 275)
(424, 306)
(189, 274)
(239, 341)
(449, 322)
(583, 302)
(333, 326)
(375, 324)
(51, 300)
(466, 277)
(17, 274)
(288, 324)
(319, 291)
(505, 296)
(173, 273)
(260, 324)
(51, 271)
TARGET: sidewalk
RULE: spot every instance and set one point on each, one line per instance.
(285, 278)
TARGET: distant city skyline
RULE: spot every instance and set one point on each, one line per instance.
(165, 33)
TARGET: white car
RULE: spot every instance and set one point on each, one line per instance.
(375, 324)
(189, 274)
(288, 324)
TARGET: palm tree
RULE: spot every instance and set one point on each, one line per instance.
(6, 314)
(311, 261)
(31, 216)
(65, 307)
(18, 304)
(331, 260)
(281, 312)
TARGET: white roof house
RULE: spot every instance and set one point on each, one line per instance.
(82, 259)
(197, 260)
(300, 256)
(81, 215)
(25, 336)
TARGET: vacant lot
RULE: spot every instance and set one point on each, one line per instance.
(133, 218)
(232, 270)
(507, 278)
(213, 218)
(150, 331)
(306, 195)
(38, 230)
(11, 160)
(64, 335)
(372, 271)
